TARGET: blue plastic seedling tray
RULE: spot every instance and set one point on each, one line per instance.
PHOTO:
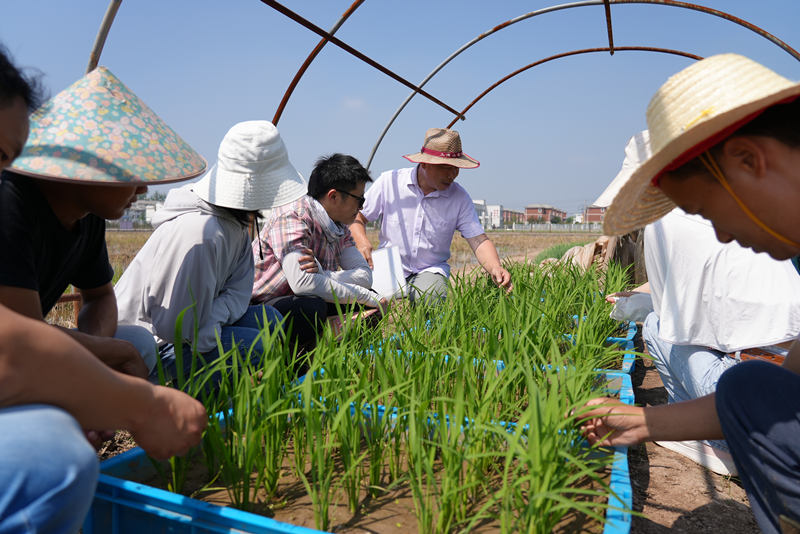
(124, 507)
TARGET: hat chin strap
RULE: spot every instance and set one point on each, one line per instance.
(713, 167)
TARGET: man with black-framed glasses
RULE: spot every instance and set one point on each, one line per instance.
(306, 260)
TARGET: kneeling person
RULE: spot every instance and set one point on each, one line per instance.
(306, 260)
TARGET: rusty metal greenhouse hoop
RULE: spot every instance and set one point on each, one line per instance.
(568, 54)
(606, 3)
(102, 34)
(314, 53)
(352, 51)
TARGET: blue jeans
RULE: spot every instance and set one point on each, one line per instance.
(687, 371)
(48, 471)
(243, 333)
(143, 340)
(758, 404)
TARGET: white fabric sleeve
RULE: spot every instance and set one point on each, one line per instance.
(373, 198)
(323, 286)
(355, 269)
(468, 223)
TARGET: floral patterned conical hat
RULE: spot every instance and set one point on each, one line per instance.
(98, 131)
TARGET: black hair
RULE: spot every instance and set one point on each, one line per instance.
(14, 84)
(241, 216)
(337, 171)
(781, 122)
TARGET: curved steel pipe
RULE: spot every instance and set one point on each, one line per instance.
(102, 34)
(668, 3)
(274, 4)
(304, 67)
(463, 47)
(573, 53)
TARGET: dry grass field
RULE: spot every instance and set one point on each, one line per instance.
(123, 246)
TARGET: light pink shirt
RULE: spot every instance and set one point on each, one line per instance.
(420, 226)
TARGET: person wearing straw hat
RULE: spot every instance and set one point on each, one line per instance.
(306, 261)
(725, 136)
(53, 388)
(691, 333)
(93, 148)
(422, 207)
(199, 254)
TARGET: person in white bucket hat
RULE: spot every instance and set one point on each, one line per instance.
(725, 136)
(199, 254)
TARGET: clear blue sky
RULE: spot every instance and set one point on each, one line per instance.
(554, 134)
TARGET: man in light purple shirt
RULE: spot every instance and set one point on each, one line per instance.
(422, 208)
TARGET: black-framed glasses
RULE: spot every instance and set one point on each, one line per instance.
(361, 200)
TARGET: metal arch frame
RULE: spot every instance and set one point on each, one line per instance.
(568, 54)
(584, 3)
(304, 67)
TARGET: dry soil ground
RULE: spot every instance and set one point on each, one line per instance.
(672, 493)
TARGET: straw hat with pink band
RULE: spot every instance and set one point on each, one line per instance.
(443, 147)
(696, 109)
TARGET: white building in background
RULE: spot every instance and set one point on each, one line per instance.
(495, 215)
(480, 209)
(578, 218)
(142, 211)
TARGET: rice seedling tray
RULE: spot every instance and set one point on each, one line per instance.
(121, 506)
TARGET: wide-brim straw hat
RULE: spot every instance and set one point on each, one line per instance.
(98, 131)
(253, 171)
(442, 146)
(695, 109)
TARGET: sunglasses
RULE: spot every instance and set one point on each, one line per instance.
(361, 200)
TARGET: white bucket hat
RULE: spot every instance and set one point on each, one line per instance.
(253, 171)
(695, 109)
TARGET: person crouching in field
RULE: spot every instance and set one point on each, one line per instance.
(725, 135)
(306, 260)
(199, 255)
(52, 389)
(421, 208)
(92, 150)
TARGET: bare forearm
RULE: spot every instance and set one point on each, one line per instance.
(487, 256)
(35, 359)
(689, 420)
(99, 317)
(358, 230)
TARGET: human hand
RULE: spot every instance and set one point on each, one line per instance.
(97, 437)
(614, 297)
(172, 425)
(119, 355)
(366, 251)
(609, 422)
(383, 306)
(502, 278)
(307, 261)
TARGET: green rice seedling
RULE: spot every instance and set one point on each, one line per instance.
(194, 384)
(545, 465)
(236, 438)
(319, 443)
(421, 458)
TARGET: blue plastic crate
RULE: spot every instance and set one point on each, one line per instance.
(124, 507)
